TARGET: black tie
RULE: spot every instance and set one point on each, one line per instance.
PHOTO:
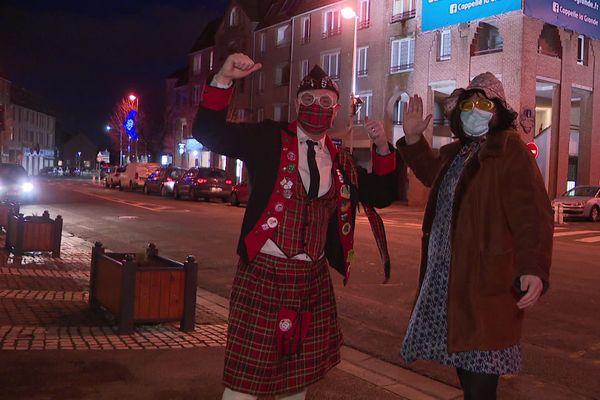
(315, 178)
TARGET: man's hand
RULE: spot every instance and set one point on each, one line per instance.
(378, 136)
(236, 66)
(533, 286)
(413, 123)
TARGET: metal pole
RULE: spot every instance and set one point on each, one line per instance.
(353, 83)
(120, 148)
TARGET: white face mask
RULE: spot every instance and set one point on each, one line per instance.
(475, 123)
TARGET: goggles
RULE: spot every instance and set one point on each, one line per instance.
(326, 101)
(482, 104)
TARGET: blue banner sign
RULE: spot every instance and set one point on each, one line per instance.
(441, 13)
(581, 16)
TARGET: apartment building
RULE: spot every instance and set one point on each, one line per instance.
(5, 120)
(31, 140)
(548, 71)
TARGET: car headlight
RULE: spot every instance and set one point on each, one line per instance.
(27, 187)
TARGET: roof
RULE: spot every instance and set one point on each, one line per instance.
(255, 9)
(280, 10)
(24, 98)
(207, 37)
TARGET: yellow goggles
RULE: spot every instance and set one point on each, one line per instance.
(482, 104)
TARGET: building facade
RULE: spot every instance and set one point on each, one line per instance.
(549, 75)
(31, 137)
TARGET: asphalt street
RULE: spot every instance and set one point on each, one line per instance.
(561, 342)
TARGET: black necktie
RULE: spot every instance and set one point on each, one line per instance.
(315, 178)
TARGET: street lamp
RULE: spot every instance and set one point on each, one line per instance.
(349, 13)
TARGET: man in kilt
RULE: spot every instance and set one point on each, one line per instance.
(283, 331)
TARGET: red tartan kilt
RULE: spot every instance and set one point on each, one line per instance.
(253, 364)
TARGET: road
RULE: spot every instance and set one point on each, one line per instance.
(561, 341)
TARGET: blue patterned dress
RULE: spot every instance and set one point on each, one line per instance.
(427, 334)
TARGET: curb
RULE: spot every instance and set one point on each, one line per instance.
(406, 384)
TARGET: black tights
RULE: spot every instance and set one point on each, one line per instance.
(478, 386)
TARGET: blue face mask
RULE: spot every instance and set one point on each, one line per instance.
(476, 123)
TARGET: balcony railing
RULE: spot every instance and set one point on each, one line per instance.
(397, 122)
(363, 24)
(361, 73)
(487, 51)
(332, 32)
(403, 16)
(400, 68)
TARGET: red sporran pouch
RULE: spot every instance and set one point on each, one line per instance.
(292, 328)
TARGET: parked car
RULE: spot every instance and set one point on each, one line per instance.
(15, 183)
(204, 183)
(581, 202)
(135, 175)
(113, 178)
(240, 194)
(162, 180)
(47, 171)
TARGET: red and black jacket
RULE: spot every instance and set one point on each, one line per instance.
(259, 145)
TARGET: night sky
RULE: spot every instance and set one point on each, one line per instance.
(83, 56)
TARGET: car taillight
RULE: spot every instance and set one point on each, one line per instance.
(169, 179)
(136, 175)
(202, 180)
(228, 182)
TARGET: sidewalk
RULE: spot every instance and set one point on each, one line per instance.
(54, 347)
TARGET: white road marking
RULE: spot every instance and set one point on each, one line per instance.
(138, 204)
(592, 239)
(573, 233)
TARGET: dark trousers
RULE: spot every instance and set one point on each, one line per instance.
(477, 386)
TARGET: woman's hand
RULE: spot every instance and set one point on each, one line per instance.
(377, 134)
(236, 66)
(413, 123)
(533, 286)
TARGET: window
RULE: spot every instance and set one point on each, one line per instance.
(364, 14)
(487, 40)
(260, 87)
(282, 74)
(365, 109)
(262, 44)
(330, 62)
(304, 69)
(445, 45)
(361, 62)
(582, 47)
(403, 10)
(260, 114)
(280, 112)
(398, 116)
(283, 35)
(211, 60)
(196, 95)
(197, 63)
(332, 23)
(403, 55)
(234, 17)
(305, 30)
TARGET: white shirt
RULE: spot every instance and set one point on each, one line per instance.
(324, 163)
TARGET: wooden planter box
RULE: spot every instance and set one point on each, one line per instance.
(7, 208)
(158, 290)
(33, 233)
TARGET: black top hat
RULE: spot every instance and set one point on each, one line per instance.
(318, 79)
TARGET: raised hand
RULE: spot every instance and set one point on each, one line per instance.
(377, 134)
(236, 66)
(413, 123)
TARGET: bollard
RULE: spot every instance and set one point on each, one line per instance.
(561, 216)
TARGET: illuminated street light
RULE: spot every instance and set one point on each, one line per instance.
(348, 12)
(132, 97)
(108, 128)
